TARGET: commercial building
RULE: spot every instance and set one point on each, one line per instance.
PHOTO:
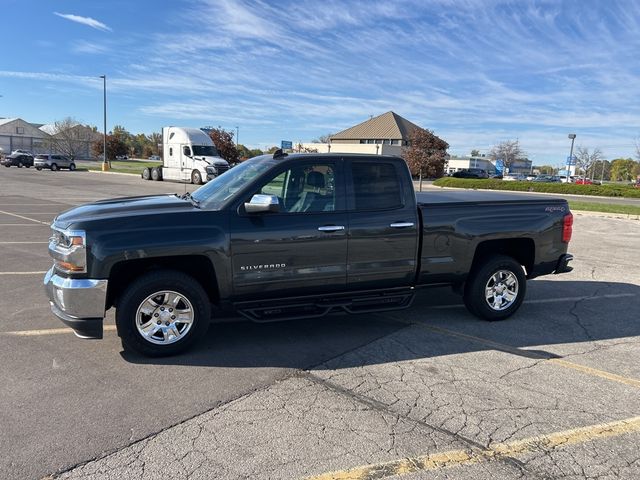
(16, 133)
(454, 164)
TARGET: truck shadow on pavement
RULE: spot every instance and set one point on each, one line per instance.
(555, 312)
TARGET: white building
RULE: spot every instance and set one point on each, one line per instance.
(15, 134)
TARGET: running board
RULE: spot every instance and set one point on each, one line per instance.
(296, 308)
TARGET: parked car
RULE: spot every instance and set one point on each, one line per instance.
(530, 177)
(513, 177)
(155, 158)
(53, 162)
(496, 176)
(18, 160)
(25, 152)
(470, 173)
(278, 238)
(583, 181)
(547, 179)
(122, 157)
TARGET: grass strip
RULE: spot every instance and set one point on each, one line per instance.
(605, 207)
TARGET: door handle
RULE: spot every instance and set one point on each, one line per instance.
(331, 228)
(401, 225)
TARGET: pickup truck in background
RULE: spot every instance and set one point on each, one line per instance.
(283, 237)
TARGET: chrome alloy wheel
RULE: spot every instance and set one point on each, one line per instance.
(164, 317)
(501, 290)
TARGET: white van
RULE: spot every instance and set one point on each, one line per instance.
(188, 155)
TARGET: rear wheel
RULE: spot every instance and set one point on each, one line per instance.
(54, 167)
(156, 173)
(72, 167)
(496, 288)
(39, 168)
(146, 174)
(20, 164)
(196, 177)
(162, 313)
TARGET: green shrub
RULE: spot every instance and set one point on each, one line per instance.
(567, 188)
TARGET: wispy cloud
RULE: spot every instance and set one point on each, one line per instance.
(82, 46)
(88, 21)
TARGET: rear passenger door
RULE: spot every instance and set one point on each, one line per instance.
(383, 225)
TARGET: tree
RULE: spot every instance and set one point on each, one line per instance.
(298, 147)
(426, 154)
(273, 149)
(623, 169)
(255, 152)
(223, 140)
(115, 147)
(507, 151)
(475, 153)
(323, 138)
(545, 169)
(72, 139)
(585, 160)
(601, 169)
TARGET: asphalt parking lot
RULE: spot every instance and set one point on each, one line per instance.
(429, 392)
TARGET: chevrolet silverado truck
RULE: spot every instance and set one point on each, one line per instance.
(284, 237)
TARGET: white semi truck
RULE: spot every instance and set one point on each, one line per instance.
(188, 155)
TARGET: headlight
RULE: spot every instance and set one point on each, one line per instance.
(69, 250)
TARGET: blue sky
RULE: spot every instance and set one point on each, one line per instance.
(475, 71)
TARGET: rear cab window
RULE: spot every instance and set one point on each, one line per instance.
(376, 186)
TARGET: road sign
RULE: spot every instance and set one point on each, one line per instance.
(285, 144)
(571, 160)
(500, 165)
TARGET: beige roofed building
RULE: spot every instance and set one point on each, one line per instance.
(385, 134)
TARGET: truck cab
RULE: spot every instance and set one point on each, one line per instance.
(189, 155)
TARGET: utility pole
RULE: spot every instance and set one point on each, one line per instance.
(572, 136)
(237, 136)
(105, 165)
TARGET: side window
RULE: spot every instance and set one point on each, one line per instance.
(376, 186)
(304, 188)
(186, 151)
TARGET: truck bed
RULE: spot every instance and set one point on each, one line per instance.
(453, 197)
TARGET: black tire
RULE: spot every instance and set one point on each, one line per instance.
(8, 165)
(146, 174)
(145, 286)
(54, 167)
(482, 276)
(156, 173)
(39, 169)
(196, 177)
(27, 166)
(72, 166)
(20, 165)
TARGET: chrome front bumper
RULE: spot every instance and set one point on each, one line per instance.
(79, 303)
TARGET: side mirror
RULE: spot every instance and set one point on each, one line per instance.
(263, 203)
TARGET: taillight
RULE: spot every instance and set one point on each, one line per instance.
(567, 227)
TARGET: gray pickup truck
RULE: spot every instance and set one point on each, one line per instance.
(283, 237)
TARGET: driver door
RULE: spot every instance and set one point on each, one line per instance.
(302, 248)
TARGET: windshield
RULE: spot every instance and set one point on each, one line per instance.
(205, 151)
(215, 193)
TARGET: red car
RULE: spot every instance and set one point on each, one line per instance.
(583, 181)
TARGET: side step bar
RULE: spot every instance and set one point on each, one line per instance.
(296, 308)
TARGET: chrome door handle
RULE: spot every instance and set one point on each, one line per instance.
(331, 228)
(401, 225)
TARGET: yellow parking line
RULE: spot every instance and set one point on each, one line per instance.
(455, 458)
(519, 351)
(24, 218)
(48, 331)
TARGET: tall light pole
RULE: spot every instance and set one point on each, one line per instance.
(572, 136)
(237, 135)
(104, 109)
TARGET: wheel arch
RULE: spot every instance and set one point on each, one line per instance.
(199, 267)
(520, 249)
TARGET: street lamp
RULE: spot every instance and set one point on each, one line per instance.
(572, 136)
(237, 135)
(104, 139)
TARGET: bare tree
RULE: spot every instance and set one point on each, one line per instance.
(322, 138)
(507, 151)
(72, 139)
(586, 160)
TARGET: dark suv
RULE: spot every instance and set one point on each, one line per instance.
(18, 160)
(53, 162)
(470, 173)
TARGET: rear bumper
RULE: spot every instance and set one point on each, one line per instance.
(563, 264)
(78, 303)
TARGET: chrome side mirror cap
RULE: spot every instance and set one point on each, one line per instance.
(263, 203)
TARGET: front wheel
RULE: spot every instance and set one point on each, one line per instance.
(196, 177)
(39, 169)
(496, 288)
(54, 167)
(162, 313)
(20, 165)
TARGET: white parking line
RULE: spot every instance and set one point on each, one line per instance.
(22, 225)
(24, 273)
(24, 218)
(11, 243)
(550, 300)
